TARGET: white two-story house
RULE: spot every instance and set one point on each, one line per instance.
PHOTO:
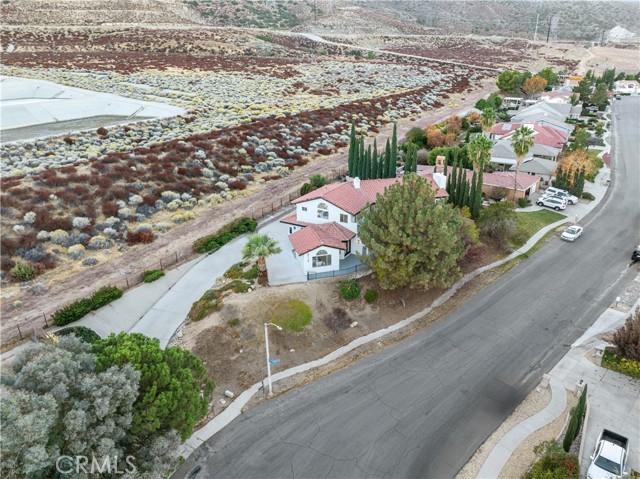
(324, 228)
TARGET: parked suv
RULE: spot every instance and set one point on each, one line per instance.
(555, 203)
(552, 191)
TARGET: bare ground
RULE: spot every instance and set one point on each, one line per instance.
(68, 288)
(601, 58)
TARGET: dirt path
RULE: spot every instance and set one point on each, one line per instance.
(180, 239)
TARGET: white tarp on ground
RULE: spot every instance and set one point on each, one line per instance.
(25, 102)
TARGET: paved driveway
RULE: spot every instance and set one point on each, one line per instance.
(283, 268)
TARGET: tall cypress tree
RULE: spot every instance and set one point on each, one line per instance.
(353, 145)
(454, 184)
(387, 159)
(477, 204)
(394, 152)
(472, 192)
(369, 165)
(361, 160)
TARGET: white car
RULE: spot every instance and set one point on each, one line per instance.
(549, 202)
(557, 197)
(572, 233)
(553, 191)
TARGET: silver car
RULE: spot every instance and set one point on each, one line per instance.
(572, 233)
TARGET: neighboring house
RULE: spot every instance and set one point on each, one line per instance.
(539, 167)
(573, 80)
(627, 86)
(556, 96)
(324, 228)
(547, 143)
(539, 111)
(504, 181)
(491, 182)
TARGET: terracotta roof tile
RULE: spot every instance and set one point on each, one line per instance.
(314, 236)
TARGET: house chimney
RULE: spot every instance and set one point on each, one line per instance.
(356, 183)
(440, 179)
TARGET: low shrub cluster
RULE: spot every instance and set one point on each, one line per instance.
(152, 275)
(211, 300)
(22, 272)
(82, 307)
(588, 196)
(86, 334)
(371, 296)
(211, 243)
(349, 289)
(611, 360)
(553, 462)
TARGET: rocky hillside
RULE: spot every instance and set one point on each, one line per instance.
(97, 12)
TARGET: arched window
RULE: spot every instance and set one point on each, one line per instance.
(323, 211)
(321, 258)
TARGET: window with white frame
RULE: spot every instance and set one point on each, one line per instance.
(323, 211)
(322, 258)
(344, 218)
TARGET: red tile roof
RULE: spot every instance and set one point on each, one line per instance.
(352, 200)
(544, 135)
(504, 179)
(314, 236)
(292, 219)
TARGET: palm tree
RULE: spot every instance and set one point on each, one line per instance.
(258, 247)
(487, 119)
(521, 142)
(480, 151)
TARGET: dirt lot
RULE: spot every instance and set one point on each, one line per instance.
(601, 58)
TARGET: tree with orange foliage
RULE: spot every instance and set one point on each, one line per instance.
(473, 117)
(534, 85)
(571, 172)
(435, 137)
(454, 125)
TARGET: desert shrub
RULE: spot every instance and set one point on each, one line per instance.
(99, 242)
(553, 462)
(46, 222)
(318, 180)
(588, 196)
(237, 286)
(72, 312)
(207, 304)
(498, 194)
(139, 237)
(152, 275)
(252, 273)
(104, 296)
(59, 237)
(81, 222)
(232, 323)
(371, 296)
(337, 320)
(102, 131)
(76, 251)
(306, 188)
(235, 272)
(110, 208)
(292, 315)
(22, 272)
(611, 360)
(522, 202)
(85, 334)
(29, 218)
(627, 338)
(349, 289)
(230, 231)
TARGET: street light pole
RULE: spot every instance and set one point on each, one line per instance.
(266, 340)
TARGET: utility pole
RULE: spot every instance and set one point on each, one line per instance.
(602, 38)
(549, 29)
(535, 34)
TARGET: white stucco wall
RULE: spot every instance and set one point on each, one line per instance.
(311, 214)
(307, 263)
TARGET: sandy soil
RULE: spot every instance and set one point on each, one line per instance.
(601, 58)
(181, 238)
(523, 457)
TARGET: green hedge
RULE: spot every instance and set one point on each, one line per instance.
(575, 422)
(588, 196)
(611, 360)
(82, 307)
(152, 275)
(211, 243)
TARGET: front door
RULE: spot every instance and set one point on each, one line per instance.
(348, 250)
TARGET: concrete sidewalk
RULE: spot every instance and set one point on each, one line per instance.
(614, 399)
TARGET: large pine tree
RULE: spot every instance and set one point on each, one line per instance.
(412, 240)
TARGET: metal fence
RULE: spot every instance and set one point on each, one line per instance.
(338, 272)
(28, 327)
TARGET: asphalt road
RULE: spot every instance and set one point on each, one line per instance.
(421, 408)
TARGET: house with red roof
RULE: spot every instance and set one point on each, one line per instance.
(323, 230)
